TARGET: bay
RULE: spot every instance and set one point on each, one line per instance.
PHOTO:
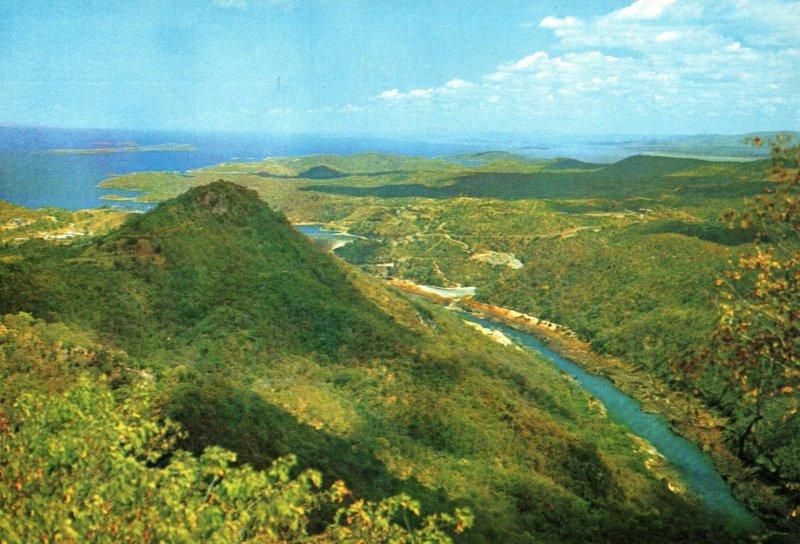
(31, 176)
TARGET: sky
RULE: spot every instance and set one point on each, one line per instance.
(403, 67)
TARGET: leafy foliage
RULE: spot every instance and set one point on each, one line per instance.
(757, 338)
(80, 465)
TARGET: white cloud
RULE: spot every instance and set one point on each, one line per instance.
(526, 63)
(457, 84)
(643, 9)
(555, 22)
(350, 108)
(667, 36)
(419, 93)
(772, 22)
(452, 88)
(497, 76)
(615, 70)
(449, 88)
(642, 26)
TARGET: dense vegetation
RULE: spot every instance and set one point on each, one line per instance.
(19, 224)
(627, 255)
(752, 367)
(82, 459)
(259, 342)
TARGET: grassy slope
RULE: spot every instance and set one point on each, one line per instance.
(264, 344)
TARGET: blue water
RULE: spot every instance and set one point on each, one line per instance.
(33, 179)
(316, 230)
(327, 238)
(695, 467)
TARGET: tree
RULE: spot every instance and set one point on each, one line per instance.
(757, 338)
(79, 467)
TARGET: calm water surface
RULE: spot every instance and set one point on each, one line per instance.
(695, 467)
(32, 178)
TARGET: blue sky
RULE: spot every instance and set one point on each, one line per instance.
(403, 67)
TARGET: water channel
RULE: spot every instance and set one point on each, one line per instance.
(695, 468)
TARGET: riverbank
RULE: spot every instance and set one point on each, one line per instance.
(686, 415)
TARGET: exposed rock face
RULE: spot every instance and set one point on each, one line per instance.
(495, 258)
(495, 335)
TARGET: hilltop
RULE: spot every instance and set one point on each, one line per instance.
(321, 172)
(490, 175)
(640, 175)
(565, 163)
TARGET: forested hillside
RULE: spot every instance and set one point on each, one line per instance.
(255, 340)
(627, 255)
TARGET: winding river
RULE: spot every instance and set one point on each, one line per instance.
(695, 467)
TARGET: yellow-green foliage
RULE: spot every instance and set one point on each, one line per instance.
(752, 366)
(18, 224)
(78, 465)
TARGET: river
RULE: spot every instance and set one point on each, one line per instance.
(695, 468)
(329, 239)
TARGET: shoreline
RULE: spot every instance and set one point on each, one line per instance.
(129, 149)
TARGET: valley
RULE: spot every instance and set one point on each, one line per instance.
(625, 255)
(268, 347)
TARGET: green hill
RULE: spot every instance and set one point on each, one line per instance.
(626, 255)
(644, 167)
(321, 172)
(640, 176)
(565, 163)
(492, 156)
(260, 342)
(361, 163)
(216, 257)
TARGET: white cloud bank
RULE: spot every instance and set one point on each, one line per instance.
(555, 22)
(677, 65)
